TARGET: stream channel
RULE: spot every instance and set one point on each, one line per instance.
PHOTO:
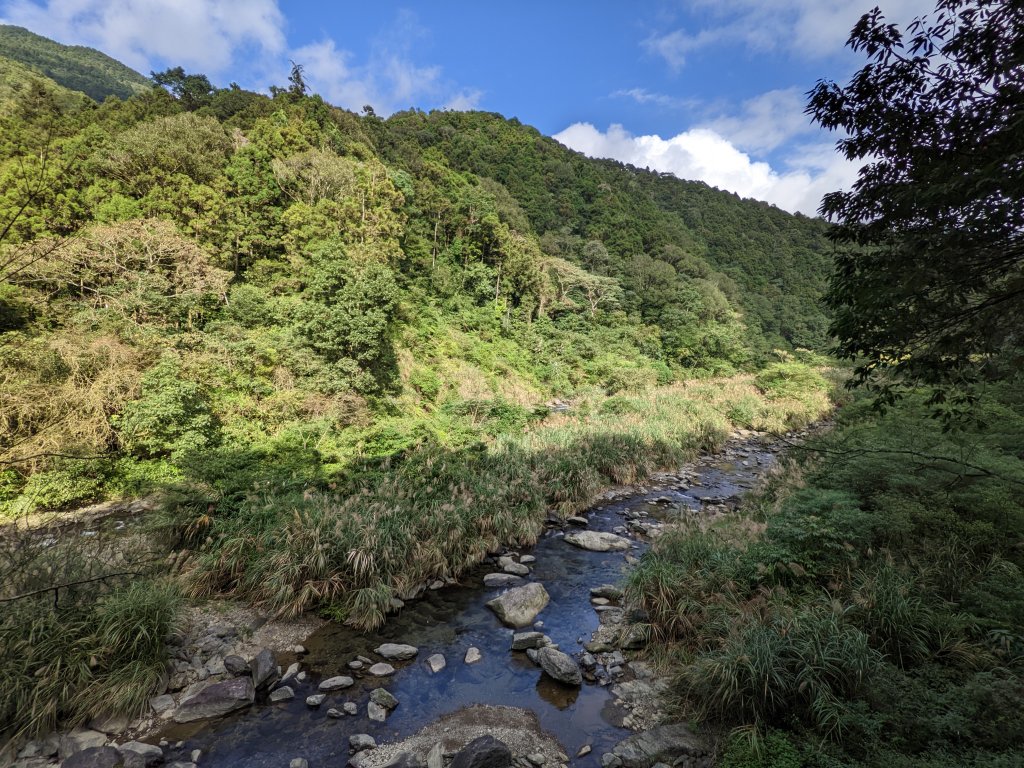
(453, 619)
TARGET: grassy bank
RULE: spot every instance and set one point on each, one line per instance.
(867, 609)
(392, 525)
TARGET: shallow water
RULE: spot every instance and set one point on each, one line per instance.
(449, 621)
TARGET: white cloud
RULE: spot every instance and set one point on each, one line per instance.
(766, 121)
(808, 28)
(705, 155)
(202, 35)
(643, 96)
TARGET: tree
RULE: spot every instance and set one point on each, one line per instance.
(929, 286)
(193, 91)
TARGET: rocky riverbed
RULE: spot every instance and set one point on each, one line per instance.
(534, 649)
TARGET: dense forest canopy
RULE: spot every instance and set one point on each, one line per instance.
(249, 269)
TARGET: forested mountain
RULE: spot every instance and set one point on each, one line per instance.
(75, 67)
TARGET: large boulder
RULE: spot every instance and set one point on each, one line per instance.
(215, 699)
(78, 740)
(518, 607)
(264, 669)
(559, 666)
(383, 698)
(597, 541)
(661, 744)
(138, 754)
(396, 651)
(484, 752)
(94, 757)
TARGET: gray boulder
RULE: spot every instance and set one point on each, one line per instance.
(383, 698)
(94, 757)
(523, 640)
(396, 651)
(138, 754)
(518, 607)
(376, 712)
(381, 669)
(337, 683)
(264, 669)
(284, 693)
(215, 699)
(484, 752)
(357, 742)
(236, 665)
(597, 541)
(436, 663)
(315, 700)
(78, 740)
(559, 666)
(161, 704)
(662, 744)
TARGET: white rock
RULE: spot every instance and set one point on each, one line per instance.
(436, 663)
(337, 683)
(473, 655)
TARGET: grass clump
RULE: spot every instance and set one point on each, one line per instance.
(866, 610)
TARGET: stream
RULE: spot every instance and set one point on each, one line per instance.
(451, 620)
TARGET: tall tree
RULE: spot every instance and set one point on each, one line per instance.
(929, 285)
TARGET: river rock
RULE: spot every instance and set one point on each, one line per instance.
(435, 758)
(436, 663)
(483, 752)
(315, 700)
(376, 712)
(501, 580)
(78, 740)
(526, 559)
(162, 703)
(383, 698)
(215, 699)
(405, 760)
(298, 762)
(284, 693)
(357, 742)
(518, 607)
(661, 744)
(236, 665)
(94, 757)
(516, 569)
(337, 683)
(396, 651)
(138, 754)
(381, 669)
(335, 714)
(597, 541)
(292, 671)
(350, 708)
(473, 655)
(264, 669)
(559, 666)
(523, 640)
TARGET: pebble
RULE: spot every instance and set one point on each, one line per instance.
(350, 708)
(315, 700)
(380, 669)
(335, 713)
(436, 663)
(473, 655)
(584, 750)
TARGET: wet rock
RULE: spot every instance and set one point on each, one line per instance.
(298, 762)
(315, 700)
(588, 661)
(396, 651)
(577, 520)
(358, 760)
(523, 640)
(357, 742)
(597, 541)
(376, 712)
(78, 740)
(584, 750)
(350, 708)
(292, 671)
(264, 669)
(501, 580)
(527, 559)
(195, 755)
(473, 655)
(437, 584)
(384, 698)
(335, 714)
(215, 699)
(662, 744)
(531, 654)
(355, 664)
(336, 683)
(518, 607)
(634, 637)
(436, 663)
(484, 752)
(559, 666)
(380, 669)
(94, 757)
(138, 754)
(599, 600)
(516, 569)
(284, 693)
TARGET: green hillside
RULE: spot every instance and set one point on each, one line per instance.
(18, 83)
(75, 67)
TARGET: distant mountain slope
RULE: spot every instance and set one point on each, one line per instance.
(16, 80)
(72, 66)
(776, 264)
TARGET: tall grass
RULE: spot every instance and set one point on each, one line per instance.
(436, 512)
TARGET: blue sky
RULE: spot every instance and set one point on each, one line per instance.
(707, 89)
